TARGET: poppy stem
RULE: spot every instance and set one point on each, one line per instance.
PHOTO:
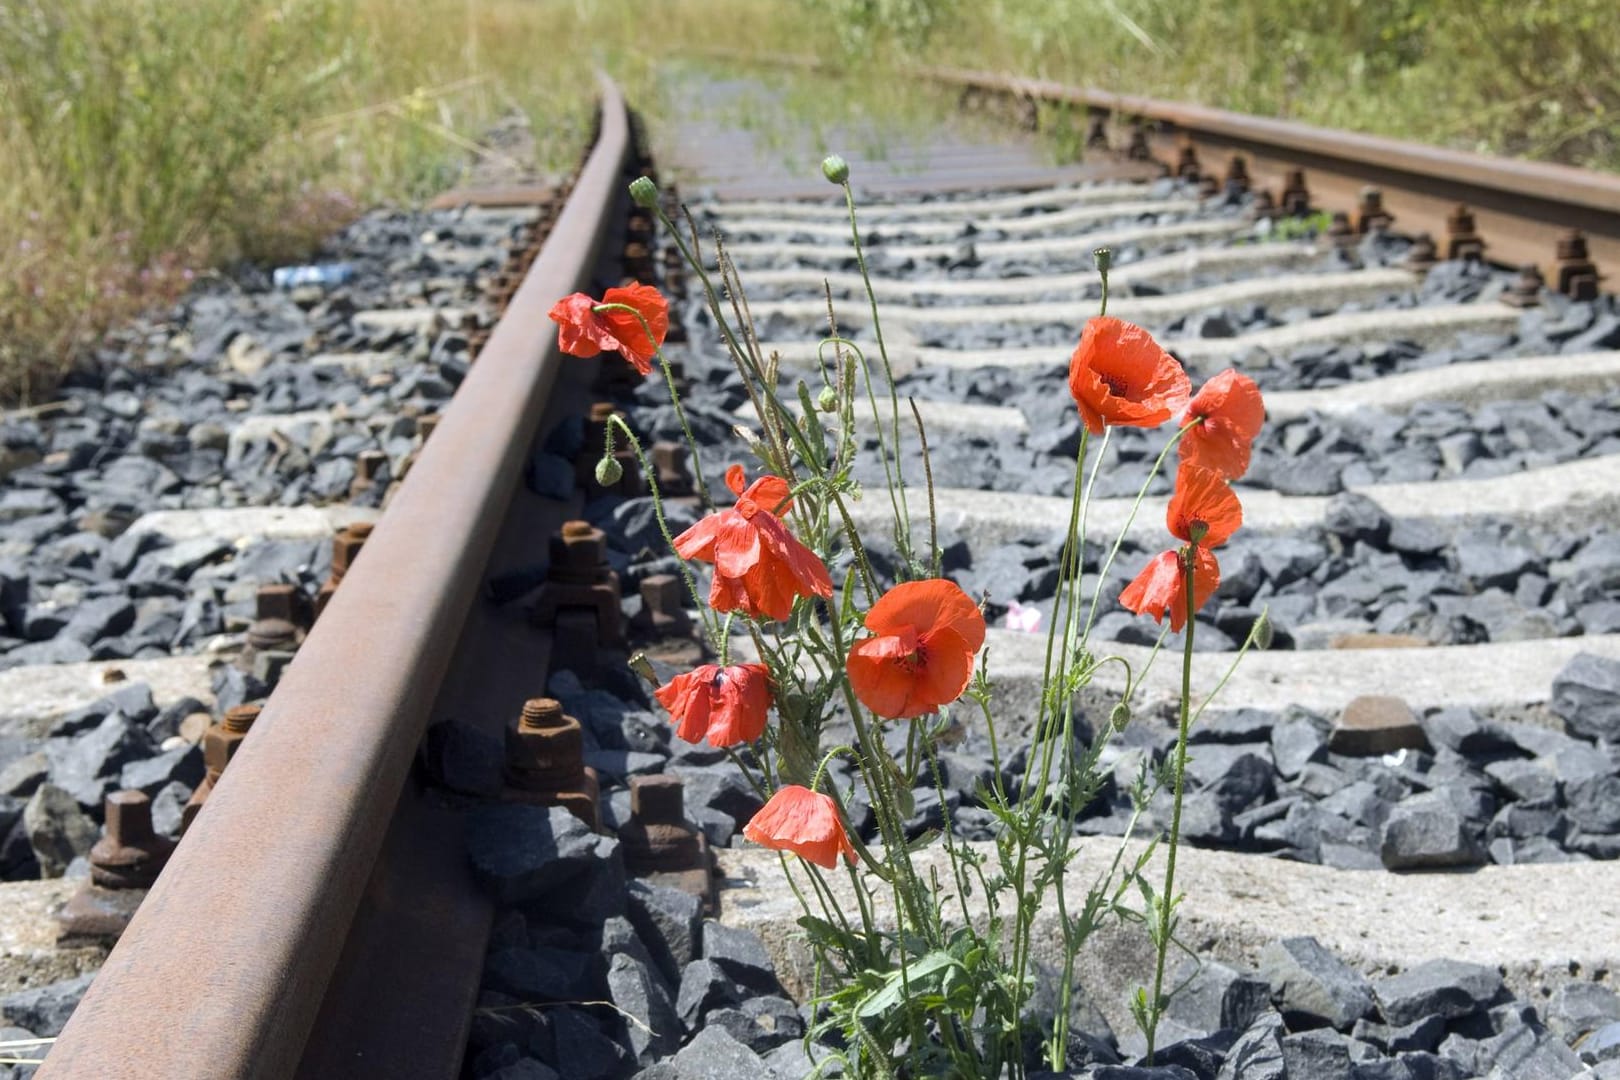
(928, 475)
(883, 351)
(674, 397)
(647, 470)
(1130, 519)
(1167, 899)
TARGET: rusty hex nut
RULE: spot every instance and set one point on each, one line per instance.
(221, 740)
(129, 854)
(544, 749)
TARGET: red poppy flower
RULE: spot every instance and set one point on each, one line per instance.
(921, 656)
(1161, 588)
(584, 331)
(1204, 509)
(759, 567)
(726, 704)
(804, 822)
(1229, 412)
(1119, 375)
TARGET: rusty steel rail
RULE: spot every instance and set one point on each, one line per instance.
(225, 970)
(1520, 209)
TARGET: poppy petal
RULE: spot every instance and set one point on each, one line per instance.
(736, 544)
(698, 541)
(945, 674)
(633, 342)
(579, 332)
(1204, 509)
(925, 605)
(921, 656)
(876, 676)
(1160, 589)
(689, 701)
(1229, 412)
(770, 493)
(804, 822)
(1119, 375)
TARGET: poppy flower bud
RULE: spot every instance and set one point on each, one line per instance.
(609, 471)
(1261, 631)
(1102, 258)
(643, 667)
(1120, 716)
(827, 400)
(644, 193)
(835, 169)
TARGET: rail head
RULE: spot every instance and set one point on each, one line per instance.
(223, 969)
(1564, 184)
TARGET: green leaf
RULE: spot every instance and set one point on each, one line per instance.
(922, 976)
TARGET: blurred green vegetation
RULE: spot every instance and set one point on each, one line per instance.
(146, 139)
(1536, 78)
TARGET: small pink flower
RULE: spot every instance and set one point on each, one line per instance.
(1019, 617)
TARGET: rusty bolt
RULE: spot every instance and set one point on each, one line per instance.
(239, 718)
(129, 854)
(280, 610)
(544, 748)
(1339, 230)
(1577, 273)
(1097, 132)
(580, 553)
(1237, 175)
(658, 800)
(1138, 150)
(657, 838)
(1572, 245)
(1526, 288)
(661, 610)
(346, 547)
(222, 740)
(1462, 239)
(580, 583)
(1370, 213)
(670, 459)
(1296, 197)
(1187, 162)
(1421, 255)
(368, 468)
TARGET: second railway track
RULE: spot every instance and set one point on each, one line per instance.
(1430, 522)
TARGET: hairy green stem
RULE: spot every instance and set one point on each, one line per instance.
(1167, 897)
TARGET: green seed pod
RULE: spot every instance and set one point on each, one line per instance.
(1102, 258)
(827, 400)
(835, 169)
(644, 193)
(609, 471)
(1120, 716)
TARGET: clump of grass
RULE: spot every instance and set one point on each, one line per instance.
(150, 137)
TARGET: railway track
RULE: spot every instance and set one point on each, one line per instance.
(1430, 520)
